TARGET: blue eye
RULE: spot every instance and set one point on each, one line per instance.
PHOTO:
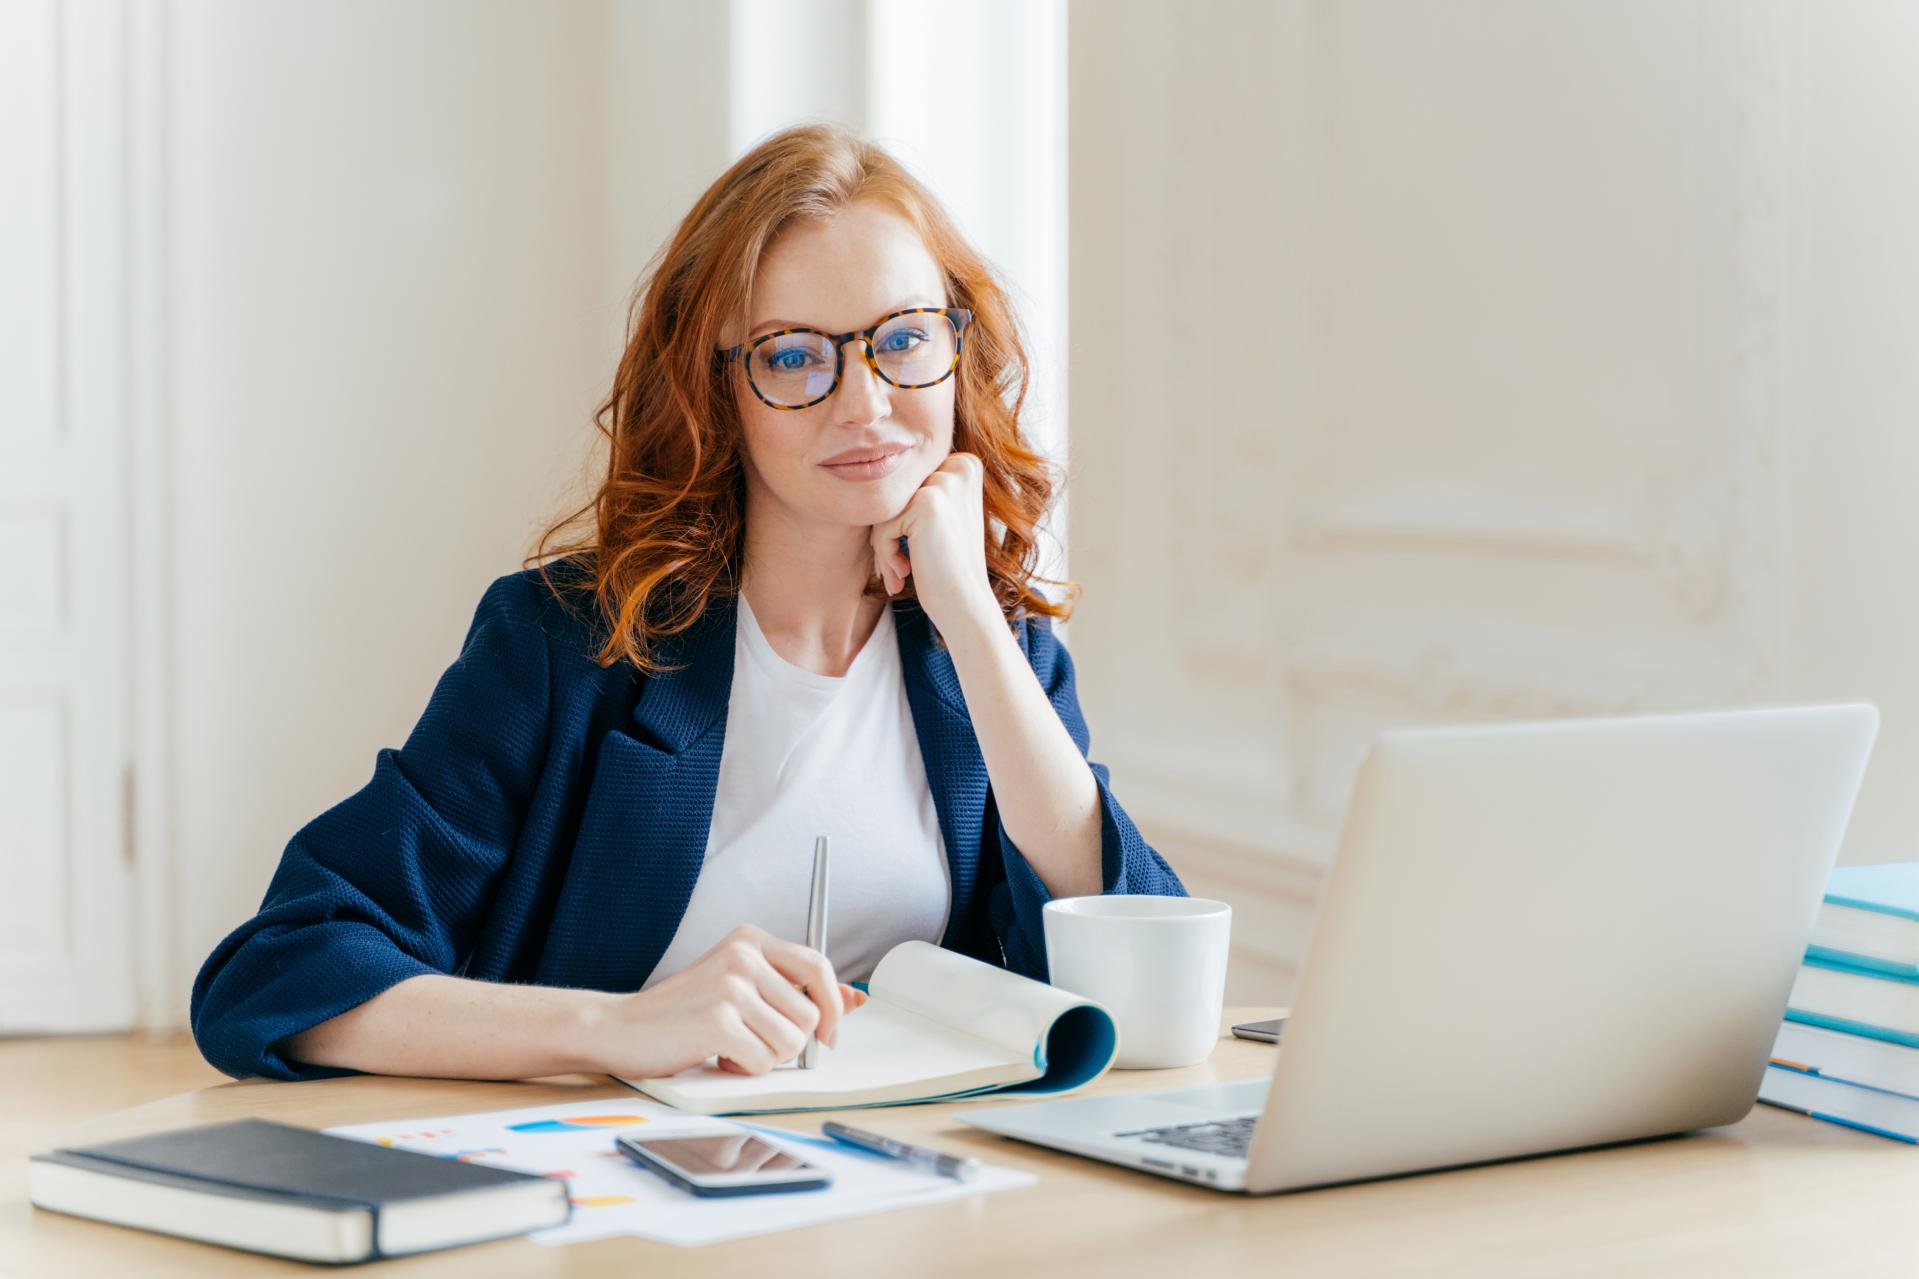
(903, 339)
(791, 360)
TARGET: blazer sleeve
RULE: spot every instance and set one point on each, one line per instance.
(1128, 864)
(393, 881)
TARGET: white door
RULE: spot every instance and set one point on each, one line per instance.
(64, 781)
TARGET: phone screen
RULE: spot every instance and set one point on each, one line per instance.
(723, 1153)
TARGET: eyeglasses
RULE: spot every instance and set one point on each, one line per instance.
(797, 368)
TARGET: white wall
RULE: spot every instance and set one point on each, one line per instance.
(1850, 392)
(1487, 360)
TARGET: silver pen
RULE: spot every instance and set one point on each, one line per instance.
(816, 936)
(957, 1167)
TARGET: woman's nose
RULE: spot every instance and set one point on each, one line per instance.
(861, 393)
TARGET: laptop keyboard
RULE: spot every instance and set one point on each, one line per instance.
(1229, 1137)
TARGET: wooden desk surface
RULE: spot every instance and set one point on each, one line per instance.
(1776, 1194)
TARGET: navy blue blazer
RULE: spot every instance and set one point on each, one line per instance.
(547, 817)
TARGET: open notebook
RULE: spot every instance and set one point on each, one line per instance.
(939, 1026)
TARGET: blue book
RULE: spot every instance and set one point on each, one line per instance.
(1870, 919)
(1884, 1114)
(1857, 1001)
(1884, 1064)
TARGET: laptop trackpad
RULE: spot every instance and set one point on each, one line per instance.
(1076, 1120)
(1213, 1101)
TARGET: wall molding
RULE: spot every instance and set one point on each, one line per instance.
(161, 981)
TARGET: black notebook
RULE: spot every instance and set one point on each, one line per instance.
(293, 1192)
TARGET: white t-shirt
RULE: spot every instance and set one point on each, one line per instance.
(808, 755)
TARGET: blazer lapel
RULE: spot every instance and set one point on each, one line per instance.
(684, 712)
(679, 707)
(643, 837)
(955, 769)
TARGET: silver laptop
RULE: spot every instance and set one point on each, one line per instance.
(1534, 938)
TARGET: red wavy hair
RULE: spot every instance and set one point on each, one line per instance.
(664, 533)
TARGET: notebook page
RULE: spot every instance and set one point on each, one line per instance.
(1003, 1008)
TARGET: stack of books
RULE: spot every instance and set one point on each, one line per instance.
(1848, 1052)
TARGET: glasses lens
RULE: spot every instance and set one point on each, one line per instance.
(913, 350)
(792, 369)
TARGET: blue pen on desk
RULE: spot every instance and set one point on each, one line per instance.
(954, 1166)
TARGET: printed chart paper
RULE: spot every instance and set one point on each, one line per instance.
(613, 1196)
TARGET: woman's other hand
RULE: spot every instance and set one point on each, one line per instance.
(751, 1001)
(944, 524)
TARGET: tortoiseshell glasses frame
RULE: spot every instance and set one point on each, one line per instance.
(959, 317)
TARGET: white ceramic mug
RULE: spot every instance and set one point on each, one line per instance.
(1158, 964)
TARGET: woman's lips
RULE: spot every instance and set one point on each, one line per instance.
(868, 470)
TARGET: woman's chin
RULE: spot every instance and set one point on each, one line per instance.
(875, 503)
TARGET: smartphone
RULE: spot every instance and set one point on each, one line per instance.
(734, 1163)
(1267, 1032)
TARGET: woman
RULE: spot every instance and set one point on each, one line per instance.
(802, 605)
